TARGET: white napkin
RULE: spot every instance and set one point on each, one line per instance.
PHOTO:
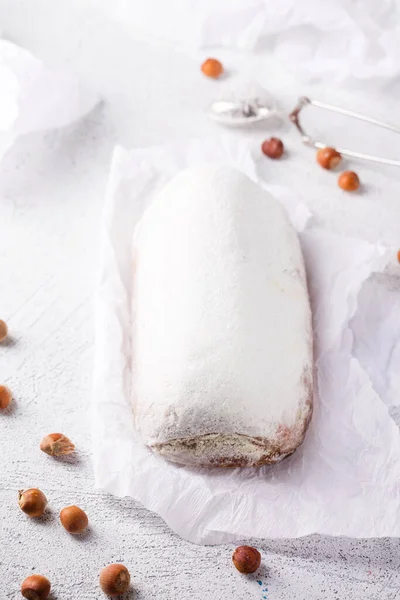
(33, 97)
(345, 479)
(330, 41)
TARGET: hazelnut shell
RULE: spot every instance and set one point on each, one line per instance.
(74, 519)
(36, 587)
(114, 579)
(32, 502)
(57, 444)
(3, 330)
(5, 397)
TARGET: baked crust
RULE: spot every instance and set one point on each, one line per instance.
(216, 450)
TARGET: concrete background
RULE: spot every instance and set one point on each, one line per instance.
(51, 192)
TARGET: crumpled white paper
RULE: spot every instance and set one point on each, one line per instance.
(33, 97)
(344, 480)
(376, 330)
(330, 41)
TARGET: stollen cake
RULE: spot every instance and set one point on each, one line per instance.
(222, 335)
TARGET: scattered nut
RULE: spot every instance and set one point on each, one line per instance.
(349, 181)
(32, 502)
(56, 444)
(246, 559)
(74, 519)
(273, 148)
(212, 68)
(5, 397)
(328, 158)
(36, 587)
(114, 579)
(398, 256)
(3, 330)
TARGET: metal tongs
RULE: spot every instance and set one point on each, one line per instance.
(306, 139)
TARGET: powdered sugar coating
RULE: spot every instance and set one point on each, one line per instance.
(222, 340)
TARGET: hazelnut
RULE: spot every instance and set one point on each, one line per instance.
(32, 502)
(5, 397)
(36, 587)
(114, 580)
(273, 148)
(3, 330)
(349, 181)
(56, 444)
(212, 68)
(398, 256)
(74, 519)
(246, 559)
(328, 158)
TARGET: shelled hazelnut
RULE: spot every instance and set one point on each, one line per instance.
(212, 68)
(349, 181)
(328, 158)
(246, 559)
(273, 148)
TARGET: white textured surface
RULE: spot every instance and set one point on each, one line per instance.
(222, 340)
(333, 41)
(51, 190)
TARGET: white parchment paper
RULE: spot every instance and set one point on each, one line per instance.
(33, 97)
(344, 480)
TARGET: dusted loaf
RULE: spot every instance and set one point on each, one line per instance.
(222, 337)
